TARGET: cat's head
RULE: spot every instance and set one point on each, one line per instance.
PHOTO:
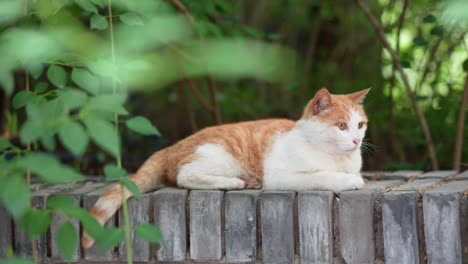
(339, 122)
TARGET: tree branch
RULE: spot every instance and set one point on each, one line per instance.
(186, 103)
(182, 9)
(198, 95)
(396, 61)
(214, 102)
(458, 146)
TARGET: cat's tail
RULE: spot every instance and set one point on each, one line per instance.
(150, 174)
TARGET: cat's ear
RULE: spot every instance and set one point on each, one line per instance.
(358, 97)
(321, 101)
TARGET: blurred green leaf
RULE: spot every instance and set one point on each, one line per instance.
(21, 99)
(57, 76)
(35, 70)
(149, 232)
(10, 10)
(6, 81)
(142, 125)
(4, 144)
(41, 87)
(15, 195)
(85, 80)
(67, 240)
(113, 172)
(89, 223)
(104, 134)
(48, 168)
(454, 13)
(86, 5)
(36, 222)
(31, 130)
(420, 41)
(58, 202)
(405, 64)
(112, 103)
(99, 22)
(109, 237)
(131, 19)
(74, 137)
(465, 65)
(429, 19)
(437, 30)
(131, 186)
(72, 98)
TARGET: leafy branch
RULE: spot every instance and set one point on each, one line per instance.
(409, 90)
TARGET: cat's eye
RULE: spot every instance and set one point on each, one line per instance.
(342, 126)
(360, 125)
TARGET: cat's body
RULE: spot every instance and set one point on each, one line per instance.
(320, 151)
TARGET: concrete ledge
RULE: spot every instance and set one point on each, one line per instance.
(399, 220)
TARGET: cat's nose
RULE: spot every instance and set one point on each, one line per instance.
(356, 141)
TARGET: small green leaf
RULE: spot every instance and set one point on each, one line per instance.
(41, 87)
(6, 81)
(48, 141)
(4, 144)
(15, 195)
(72, 98)
(99, 22)
(74, 137)
(465, 65)
(104, 134)
(142, 125)
(22, 98)
(405, 64)
(85, 80)
(429, 19)
(437, 30)
(149, 232)
(35, 70)
(109, 237)
(112, 103)
(58, 202)
(131, 19)
(67, 240)
(89, 223)
(86, 5)
(100, 3)
(57, 76)
(36, 222)
(420, 41)
(113, 172)
(31, 130)
(48, 168)
(131, 186)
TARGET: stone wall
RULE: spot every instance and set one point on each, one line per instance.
(399, 217)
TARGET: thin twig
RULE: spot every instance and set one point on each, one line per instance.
(396, 61)
(394, 143)
(182, 9)
(198, 95)
(214, 102)
(310, 54)
(186, 103)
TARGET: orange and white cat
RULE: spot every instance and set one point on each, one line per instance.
(319, 151)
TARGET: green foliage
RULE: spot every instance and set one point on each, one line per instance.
(67, 240)
(142, 125)
(36, 222)
(149, 232)
(15, 195)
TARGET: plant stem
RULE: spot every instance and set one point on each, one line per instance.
(128, 241)
(118, 158)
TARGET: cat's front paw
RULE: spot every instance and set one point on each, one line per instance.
(352, 182)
